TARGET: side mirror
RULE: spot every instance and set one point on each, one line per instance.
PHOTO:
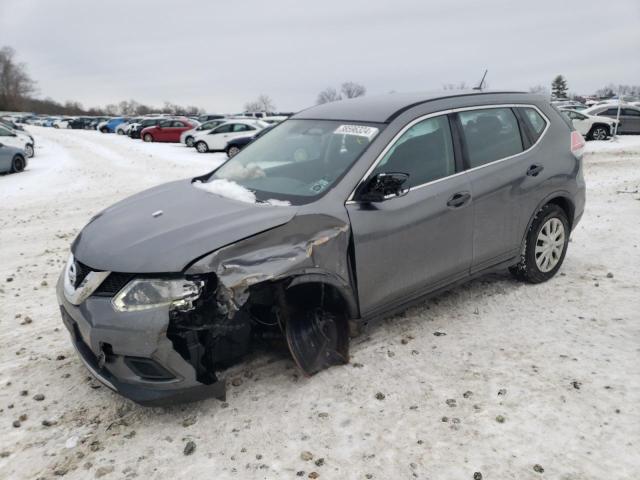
(383, 185)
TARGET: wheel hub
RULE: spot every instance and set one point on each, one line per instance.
(550, 244)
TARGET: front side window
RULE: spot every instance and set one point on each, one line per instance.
(298, 161)
(177, 123)
(165, 123)
(490, 134)
(425, 152)
(609, 111)
(4, 132)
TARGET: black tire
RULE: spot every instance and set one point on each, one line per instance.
(148, 137)
(189, 141)
(119, 131)
(528, 269)
(29, 151)
(201, 147)
(18, 164)
(104, 130)
(598, 132)
(232, 151)
(317, 339)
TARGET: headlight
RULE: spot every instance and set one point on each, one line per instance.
(143, 294)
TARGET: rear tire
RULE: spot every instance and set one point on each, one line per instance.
(189, 141)
(147, 137)
(18, 164)
(202, 147)
(598, 132)
(232, 151)
(545, 246)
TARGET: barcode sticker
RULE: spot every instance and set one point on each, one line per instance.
(358, 130)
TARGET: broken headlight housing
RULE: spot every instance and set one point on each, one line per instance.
(146, 293)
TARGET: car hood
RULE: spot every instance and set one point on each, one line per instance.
(165, 228)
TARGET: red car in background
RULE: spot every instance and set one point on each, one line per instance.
(167, 130)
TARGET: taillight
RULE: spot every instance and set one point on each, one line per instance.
(577, 144)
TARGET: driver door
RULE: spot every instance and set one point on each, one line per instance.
(408, 245)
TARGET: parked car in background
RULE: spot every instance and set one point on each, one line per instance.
(274, 119)
(62, 122)
(79, 123)
(629, 116)
(235, 145)
(216, 140)
(167, 130)
(590, 126)
(12, 159)
(210, 116)
(14, 138)
(187, 137)
(136, 128)
(11, 123)
(123, 128)
(110, 125)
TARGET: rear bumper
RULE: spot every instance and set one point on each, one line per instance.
(131, 354)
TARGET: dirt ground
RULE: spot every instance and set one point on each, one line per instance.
(508, 380)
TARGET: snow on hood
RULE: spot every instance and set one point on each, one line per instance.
(228, 189)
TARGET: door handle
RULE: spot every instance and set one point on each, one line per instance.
(459, 199)
(534, 170)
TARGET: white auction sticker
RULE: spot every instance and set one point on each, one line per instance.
(359, 130)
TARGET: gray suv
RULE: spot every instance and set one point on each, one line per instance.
(345, 212)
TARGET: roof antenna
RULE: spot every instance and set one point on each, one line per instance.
(479, 87)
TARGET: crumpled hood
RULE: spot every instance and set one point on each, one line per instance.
(127, 237)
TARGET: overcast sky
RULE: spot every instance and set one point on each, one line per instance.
(218, 55)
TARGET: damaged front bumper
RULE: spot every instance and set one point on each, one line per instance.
(131, 354)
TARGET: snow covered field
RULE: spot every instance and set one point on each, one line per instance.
(513, 381)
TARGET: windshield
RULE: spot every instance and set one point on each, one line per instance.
(299, 160)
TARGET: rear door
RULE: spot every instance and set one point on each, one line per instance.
(408, 245)
(501, 175)
(630, 120)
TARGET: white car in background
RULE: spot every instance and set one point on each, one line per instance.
(188, 137)
(590, 126)
(216, 140)
(62, 123)
(15, 138)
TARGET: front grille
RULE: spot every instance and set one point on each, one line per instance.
(113, 284)
(81, 273)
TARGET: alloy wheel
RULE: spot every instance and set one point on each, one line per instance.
(28, 150)
(550, 244)
(599, 133)
(233, 151)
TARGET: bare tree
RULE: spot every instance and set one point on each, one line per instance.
(328, 95)
(353, 90)
(15, 83)
(263, 103)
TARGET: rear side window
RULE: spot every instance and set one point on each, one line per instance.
(224, 128)
(537, 123)
(490, 134)
(630, 112)
(425, 152)
(609, 111)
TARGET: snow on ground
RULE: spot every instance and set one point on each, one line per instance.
(514, 381)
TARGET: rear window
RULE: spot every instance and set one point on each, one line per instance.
(490, 134)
